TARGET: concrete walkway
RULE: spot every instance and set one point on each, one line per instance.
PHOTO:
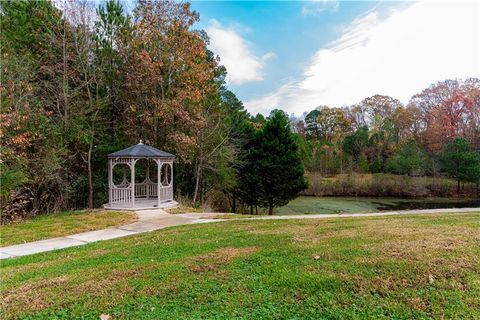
(150, 220)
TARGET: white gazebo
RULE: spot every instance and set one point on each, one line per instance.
(133, 182)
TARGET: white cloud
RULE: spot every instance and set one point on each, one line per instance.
(271, 101)
(236, 54)
(397, 56)
(315, 7)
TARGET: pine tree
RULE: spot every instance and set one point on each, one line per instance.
(277, 163)
(249, 182)
(460, 161)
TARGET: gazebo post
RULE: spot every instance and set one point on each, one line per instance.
(171, 179)
(132, 166)
(147, 179)
(159, 184)
(110, 181)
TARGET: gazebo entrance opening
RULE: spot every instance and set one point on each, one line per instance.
(140, 177)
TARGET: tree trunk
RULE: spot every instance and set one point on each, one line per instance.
(197, 182)
(270, 208)
(251, 210)
(90, 179)
(203, 191)
(458, 186)
(234, 201)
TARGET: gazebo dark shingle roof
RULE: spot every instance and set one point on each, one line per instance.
(141, 151)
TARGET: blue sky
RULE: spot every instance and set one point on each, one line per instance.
(283, 28)
(298, 55)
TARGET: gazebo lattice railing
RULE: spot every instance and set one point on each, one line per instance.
(145, 194)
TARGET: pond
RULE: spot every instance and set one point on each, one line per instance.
(326, 205)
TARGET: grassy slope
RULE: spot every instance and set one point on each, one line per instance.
(388, 267)
(61, 224)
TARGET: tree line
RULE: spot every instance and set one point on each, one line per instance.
(437, 132)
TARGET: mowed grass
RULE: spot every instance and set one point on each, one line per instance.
(399, 267)
(62, 224)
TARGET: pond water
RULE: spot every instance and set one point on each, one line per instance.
(326, 205)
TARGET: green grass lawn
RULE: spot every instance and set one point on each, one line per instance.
(399, 267)
(61, 224)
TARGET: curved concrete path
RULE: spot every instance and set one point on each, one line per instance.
(150, 220)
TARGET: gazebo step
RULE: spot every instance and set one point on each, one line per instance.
(141, 204)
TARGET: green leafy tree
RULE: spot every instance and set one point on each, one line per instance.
(241, 136)
(259, 120)
(112, 31)
(355, 145)
(409, 160)
(473, 169)
(332, 124)
(459, 161)
(312, 130)
(277, 162)
(363, 164)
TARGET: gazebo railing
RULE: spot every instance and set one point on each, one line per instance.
(124, 194)
(121, 194)
(146, 189)
(166, 193)
(152, 189)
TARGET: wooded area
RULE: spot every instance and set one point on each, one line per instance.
(79, 83)
(436, 133)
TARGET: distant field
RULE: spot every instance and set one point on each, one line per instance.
(328, 205)
(408, 267)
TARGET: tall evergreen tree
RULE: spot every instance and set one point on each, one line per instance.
(249, 182)
(277, 162)
(459, 161)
